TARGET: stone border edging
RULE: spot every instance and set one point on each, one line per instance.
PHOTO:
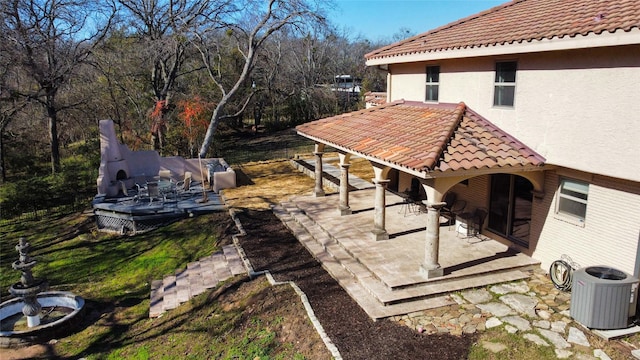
(303, 297)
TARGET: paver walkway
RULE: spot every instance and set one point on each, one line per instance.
(173, 290)
(530, 308)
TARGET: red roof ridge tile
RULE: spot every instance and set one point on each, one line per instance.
(521, 147)
(447, 134)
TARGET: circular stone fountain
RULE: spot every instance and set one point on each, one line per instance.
(35, 316)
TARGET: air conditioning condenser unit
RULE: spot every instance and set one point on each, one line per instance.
(603, 297)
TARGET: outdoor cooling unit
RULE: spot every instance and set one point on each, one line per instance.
(603, 297)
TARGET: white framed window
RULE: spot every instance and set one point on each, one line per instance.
(505, 83)
(572, 198)
(433, 83)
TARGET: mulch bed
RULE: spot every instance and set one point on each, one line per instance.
(269, 245)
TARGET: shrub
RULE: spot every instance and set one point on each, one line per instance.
(65, 191)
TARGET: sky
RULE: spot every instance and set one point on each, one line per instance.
(381, 19)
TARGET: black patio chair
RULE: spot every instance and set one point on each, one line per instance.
(407, 204)
(474, 222)
(452, 208)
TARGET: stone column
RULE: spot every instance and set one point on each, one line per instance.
(379, 231)
(318, 191)
(430, 266)
(344, 190)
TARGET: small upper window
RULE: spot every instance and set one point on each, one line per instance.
(433, 82)
(572, 198)
(505, 83)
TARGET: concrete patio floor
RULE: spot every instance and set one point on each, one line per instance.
(390, 269)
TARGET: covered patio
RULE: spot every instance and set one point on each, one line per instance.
(384, 277)
(410, 261)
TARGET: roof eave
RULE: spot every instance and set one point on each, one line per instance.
(414, 172)
(487, 171)
(591, 40)
(432, 174)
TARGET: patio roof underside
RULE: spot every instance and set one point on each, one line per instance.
(429, 140)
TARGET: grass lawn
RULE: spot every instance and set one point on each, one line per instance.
(113, 274)
(102, 266)
(241, 319)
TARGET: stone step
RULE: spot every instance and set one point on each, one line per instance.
(220, 266)
(333, 181)
(195, 283)
(157, 294)
(173, 290)
(236, 266)
(183, 293)
(345, 268)
(374, 308)
(170, 297)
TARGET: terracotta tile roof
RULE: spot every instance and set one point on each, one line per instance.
(423, 137)
(375, 98)
(522, 21)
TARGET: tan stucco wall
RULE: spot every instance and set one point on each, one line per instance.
(578, 109)
(476, 194)
(406, 81)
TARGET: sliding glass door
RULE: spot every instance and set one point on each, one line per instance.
(510, 207)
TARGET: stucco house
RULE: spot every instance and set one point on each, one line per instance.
(530, 109)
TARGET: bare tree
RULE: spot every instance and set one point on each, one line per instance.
(161, 28)
(248, 25)
(47, 40)
(9, 107)
(315, 60)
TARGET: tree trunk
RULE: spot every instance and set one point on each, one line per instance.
(213, 126)
(3, 171)
(53, 135)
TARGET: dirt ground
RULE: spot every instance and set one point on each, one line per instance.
(270, 246)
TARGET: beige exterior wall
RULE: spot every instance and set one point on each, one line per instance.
(475, 194)
(407, 82)
(578, 109)
(609, 234)
(404, 182)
